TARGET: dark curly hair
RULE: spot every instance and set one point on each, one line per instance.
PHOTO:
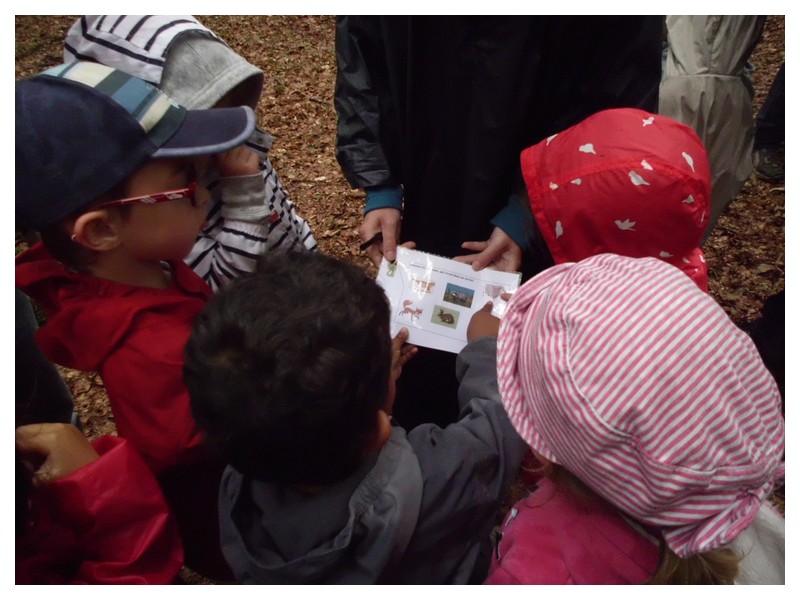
(288, 367)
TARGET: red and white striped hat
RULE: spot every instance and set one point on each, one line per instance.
(622, 371)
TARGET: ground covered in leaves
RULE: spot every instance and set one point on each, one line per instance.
(745, 252)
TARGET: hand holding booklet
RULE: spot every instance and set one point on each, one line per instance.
(435, 297)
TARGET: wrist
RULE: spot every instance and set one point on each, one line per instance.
(511, 219)
(244, 197)
(383, 196)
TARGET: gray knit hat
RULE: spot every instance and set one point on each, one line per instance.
(200, 70)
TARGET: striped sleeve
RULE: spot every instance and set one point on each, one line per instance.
(230, 247)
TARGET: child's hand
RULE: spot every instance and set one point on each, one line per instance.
(53, 450)
(401, 353)
(238, 162)
(483, 324)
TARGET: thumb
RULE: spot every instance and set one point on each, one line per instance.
(487, 307)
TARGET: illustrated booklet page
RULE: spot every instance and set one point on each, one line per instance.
(435, 297)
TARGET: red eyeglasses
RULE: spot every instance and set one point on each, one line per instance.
(180, 194)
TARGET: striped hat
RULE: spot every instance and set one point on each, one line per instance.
(82, 128)
(623, 181)
(623, 372)
(176, 53)
(136, 44)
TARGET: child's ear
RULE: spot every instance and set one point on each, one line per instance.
(382, 433)
(96, 230)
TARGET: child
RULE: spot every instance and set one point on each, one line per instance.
(107, 169)
(194, 67)
(624, 181)
(658, 422)
(291, 371)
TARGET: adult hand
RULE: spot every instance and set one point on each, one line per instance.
(499, 252)
(53, 450)
(483, 324)
(238, 162)
(385, 221)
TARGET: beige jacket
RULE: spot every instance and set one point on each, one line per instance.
(705, 86)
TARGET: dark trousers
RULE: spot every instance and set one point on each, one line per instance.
(428, 390)
(41, 394)
(770, 122)
(192, 492)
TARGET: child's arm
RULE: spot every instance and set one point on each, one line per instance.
(468, 466)
(107, 497)
(143, 377)
(251, 214)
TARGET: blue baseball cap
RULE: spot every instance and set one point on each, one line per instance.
(82, 128)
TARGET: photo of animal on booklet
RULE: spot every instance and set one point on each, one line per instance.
(435, 297)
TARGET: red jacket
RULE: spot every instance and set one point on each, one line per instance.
(134, 337)
(105, 523)
(550, 538)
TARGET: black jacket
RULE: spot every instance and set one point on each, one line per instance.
(444, 105)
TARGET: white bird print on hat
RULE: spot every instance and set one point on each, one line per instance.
(559, 229)
(688, 159)
(576, 181)
(587, 148)
(688, 200)
(646, 165)
(626, 225)
(550, 139)
(553, 186)
(636, 179)
(646, 122)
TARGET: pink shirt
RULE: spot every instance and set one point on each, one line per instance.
(553, 538)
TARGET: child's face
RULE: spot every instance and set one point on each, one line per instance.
(166, 230)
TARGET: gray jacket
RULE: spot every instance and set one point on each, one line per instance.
(420, 511)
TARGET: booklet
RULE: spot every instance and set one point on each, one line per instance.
(435, 297)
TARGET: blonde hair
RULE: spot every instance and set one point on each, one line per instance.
(720, 566)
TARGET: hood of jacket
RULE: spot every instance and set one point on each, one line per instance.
(352, 532)
(177, 53)
(88, 317)
(623, 181)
